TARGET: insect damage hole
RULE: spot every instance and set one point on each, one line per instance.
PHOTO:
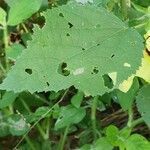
(28, 71)
(95, 70)
(67, 34)
(47, 83)
(112, 55)
(70, 25)
(61, 15)
(62, 69)
(108, 82)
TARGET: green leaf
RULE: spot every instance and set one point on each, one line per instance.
(2, 17)
(38, 114)
(112, 132)
(14, 51)
(21, 10)
(137, 142)
(143, 103)
(77, 99)
(126, 99)
(69, 115)
(17, 125)
(13, 124)
(77, 46)
(116, 137)
(102, 144)
(4, 129)
(7, 99)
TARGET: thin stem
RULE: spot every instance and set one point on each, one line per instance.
(63, 139)
(30, 143)
(130, 119)
(93, 116)
(5, 38)
(38, 126)
(43, 134)
(41, 98)
(125, 4)
(24, 27)
(43, 116)
(137, 122)
(48, 127)
(3, 69)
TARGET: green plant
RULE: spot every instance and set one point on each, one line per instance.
(65, 72)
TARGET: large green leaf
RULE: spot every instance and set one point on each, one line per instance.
(137, 142)
(143, 103)
(78, 45)
(20, 10)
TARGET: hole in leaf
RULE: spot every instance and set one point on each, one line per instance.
(67, 34)
(28, 71)
(98, 44)
(112, 55)
(62, 69)
(108, 82)
(70, 25)
(83, 49)
(61, 15)
(47, 83)
(41, 21)
(95, 71)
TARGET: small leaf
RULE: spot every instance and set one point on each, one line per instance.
(77, 99)
(126, 99)
(2, 17)
(143, 103)
(69, 115)
(7, 99)
(38, 114)
(112, 132)
(14, 51)
(17, 125)
(116, 137)
(102, 144)
(21, 10)
(137, 142)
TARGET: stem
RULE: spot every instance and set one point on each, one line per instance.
(137, 122)
(30, 143)
(125, 5)
(5, 38)
(24, 27)
(93, 116)
(40, 119)
(44, 136)
(130, 119)
(3, 69)
(48, 127)
(63, 139)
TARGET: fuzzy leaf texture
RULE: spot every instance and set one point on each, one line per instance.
(77, 46)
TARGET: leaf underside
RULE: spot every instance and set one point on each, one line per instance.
(85, 41)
